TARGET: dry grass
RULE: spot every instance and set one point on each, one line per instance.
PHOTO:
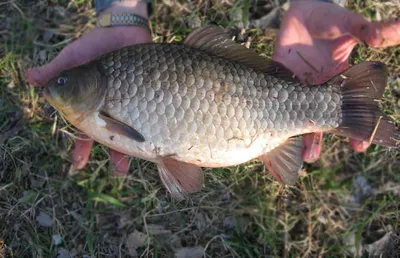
(344, 202)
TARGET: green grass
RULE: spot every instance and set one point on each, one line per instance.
(241, 212)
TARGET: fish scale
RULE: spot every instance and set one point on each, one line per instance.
(204, 102)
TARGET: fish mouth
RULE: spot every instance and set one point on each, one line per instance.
(46, 93)
(57, 102)
(52, 98)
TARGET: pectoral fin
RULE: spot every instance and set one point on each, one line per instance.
(120, 128)
(180, 178)
(285, 161)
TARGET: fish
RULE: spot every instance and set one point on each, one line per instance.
(211, 102)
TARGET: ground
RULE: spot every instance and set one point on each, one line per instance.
(343, 204)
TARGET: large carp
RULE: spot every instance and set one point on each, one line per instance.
(211, 102)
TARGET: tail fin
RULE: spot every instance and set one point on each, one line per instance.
(362, 85)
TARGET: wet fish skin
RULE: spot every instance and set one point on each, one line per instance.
(213, 103)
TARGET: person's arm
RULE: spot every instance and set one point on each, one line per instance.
(138, 10)
(139, 7)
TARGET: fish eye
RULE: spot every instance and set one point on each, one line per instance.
(62, 80)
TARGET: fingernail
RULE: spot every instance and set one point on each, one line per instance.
(316, 141)
(314, 145)
(311, 157)
(116, 171)
(359, 146)
(73, 170)
(308, 155)
(363, 146)
(77, 162)
(32, 76)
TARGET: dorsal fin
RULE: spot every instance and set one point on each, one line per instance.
(214, 40)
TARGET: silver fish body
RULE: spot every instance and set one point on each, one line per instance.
(208, 109)
(211, 103)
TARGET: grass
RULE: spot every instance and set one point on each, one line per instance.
(242, 211)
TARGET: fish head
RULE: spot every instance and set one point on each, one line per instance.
(76, 91)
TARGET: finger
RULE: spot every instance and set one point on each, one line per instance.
(72, 55)
(378, 34)
(120, 163)
(81, 151)
(327, 20)
(312, 146)
(332, 21)
(359, 146)
(83, 50)
(342, 48)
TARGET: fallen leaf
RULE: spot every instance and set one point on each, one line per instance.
(230, 222)
(353, 245)
(124, 220)
(10, 130)
(190, 252)
(44, 220)
(362, 190)
(194, 22)
(159, 232)
(134, 241)
(47, 35)
(63, 253)
(37, 183)
(155, 229)
(56, 239)
(175, 242)
(78, 217)
(42, 55)
(387, 246)
(201, 221)
(11, 84)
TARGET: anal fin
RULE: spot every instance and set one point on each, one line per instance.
(285, 161)
(180, 178)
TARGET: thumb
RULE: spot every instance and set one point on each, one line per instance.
(66, 59)
(76, 53)
(41, 75)
(378, 34)
(330, 21)
(91, 45)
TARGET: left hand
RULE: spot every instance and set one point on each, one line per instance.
(315, 41)
(95, 43)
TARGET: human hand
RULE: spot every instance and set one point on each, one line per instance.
(315, 41)
(95, 43)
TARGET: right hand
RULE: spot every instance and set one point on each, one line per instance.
(95, 43)
(325, 34)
